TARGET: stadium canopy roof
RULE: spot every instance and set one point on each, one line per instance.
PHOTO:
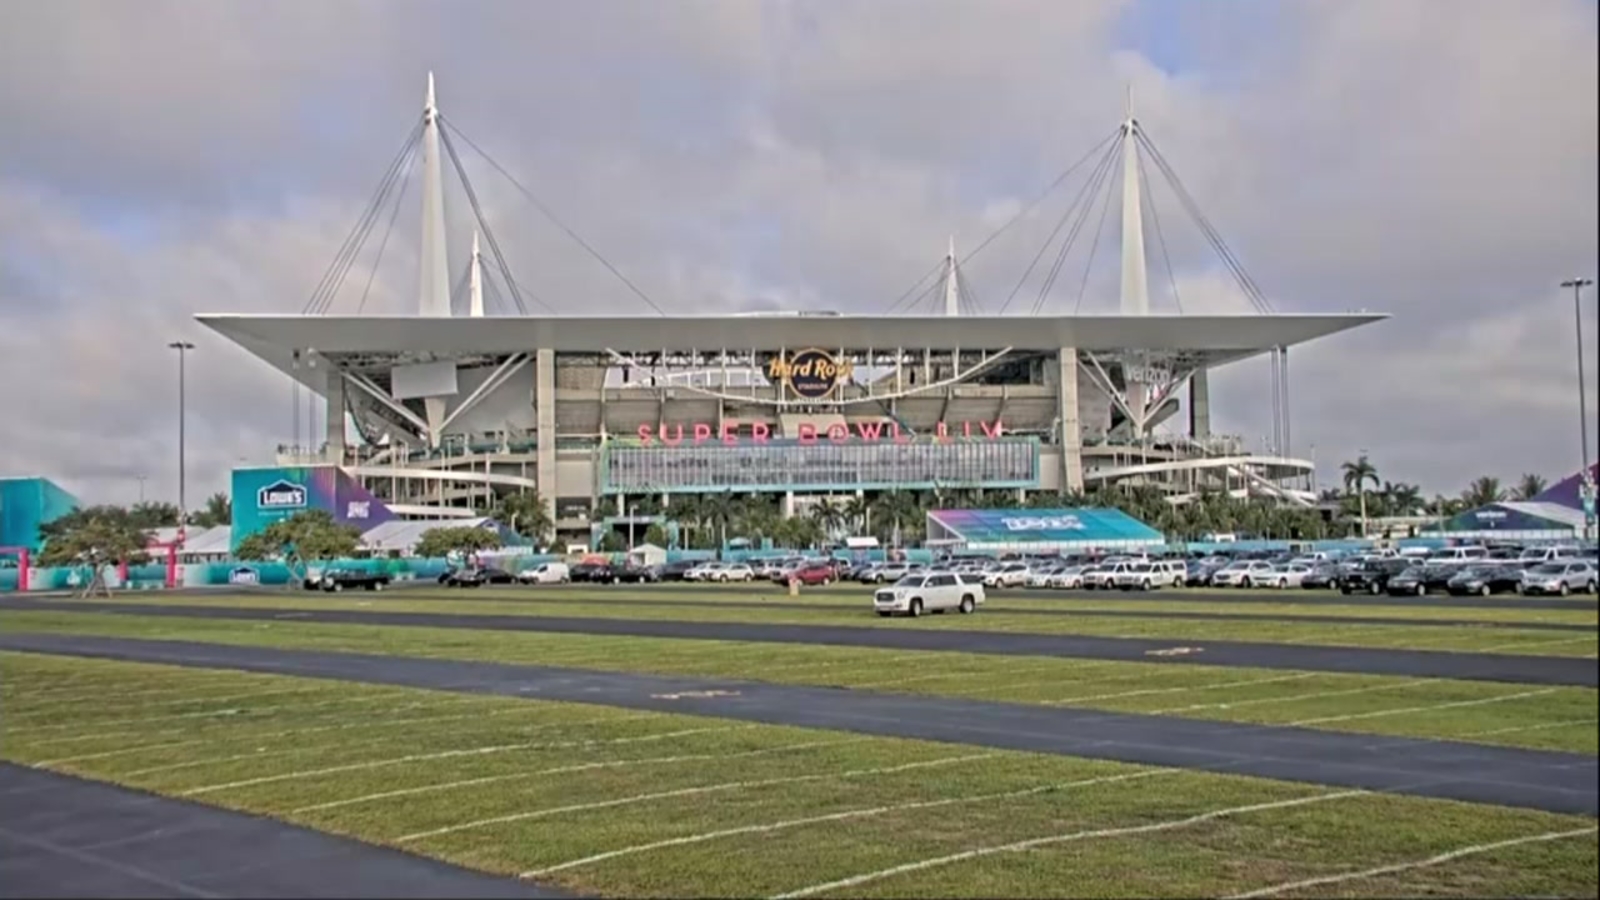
(276, 338)
(1517, 519)
(1000, 529)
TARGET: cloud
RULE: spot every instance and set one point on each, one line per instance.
(1432, 158)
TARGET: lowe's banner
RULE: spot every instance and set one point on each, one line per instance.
(264, 496)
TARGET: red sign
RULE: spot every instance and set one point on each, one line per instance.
(868, 432)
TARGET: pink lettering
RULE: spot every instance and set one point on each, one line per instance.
(991, 433)
(838, 433)
(644, 435)
(760, 431)
(870, 431)
(673, 441)
(898, 437)
(730, 434)
(808, 433)
(942, 431)
(966, 429)
(702, 432)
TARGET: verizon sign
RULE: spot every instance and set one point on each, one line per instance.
(1044, 523)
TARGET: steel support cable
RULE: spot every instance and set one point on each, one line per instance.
(1088, 188)
(334, 277)
(539, 205)
(483, 222)
(1235, 267)
(1103, 181)
(1031, 205)
(913, 289)
(513, 285)
(399, 201)
(1094, 246)
(322, 295)
(1155, 219)
(1248, 284)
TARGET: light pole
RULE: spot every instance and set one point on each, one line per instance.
(141, 479)
(1586, 485)
(183, 347)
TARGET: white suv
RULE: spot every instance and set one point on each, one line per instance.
(1559, 578)
(934, 592)
(1011, 575)
(1243, 573)
(1144, 576)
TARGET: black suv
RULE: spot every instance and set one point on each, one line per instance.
(350, 579)
(1373, 576)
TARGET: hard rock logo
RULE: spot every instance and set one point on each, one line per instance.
(811, 374)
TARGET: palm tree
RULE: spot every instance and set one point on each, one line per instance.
(1530, 486)
(859, 513)
(1483, 491)
(717, 511)
(1356, 477)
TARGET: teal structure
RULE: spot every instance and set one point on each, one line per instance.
(26, 504)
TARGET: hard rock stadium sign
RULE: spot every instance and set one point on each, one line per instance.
(810, 374)
(864, 432)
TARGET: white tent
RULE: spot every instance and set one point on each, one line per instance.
(647, 555)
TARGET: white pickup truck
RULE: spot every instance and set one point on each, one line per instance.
(934, 592)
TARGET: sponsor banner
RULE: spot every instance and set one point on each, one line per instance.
(875, 432)
(267, 495)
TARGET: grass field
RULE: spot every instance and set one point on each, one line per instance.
(592, 602)
(641, 804)
(1558, 718)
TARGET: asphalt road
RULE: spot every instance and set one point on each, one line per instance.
(845, 605)
(62, 836)
(911, 635)
(1533, 779)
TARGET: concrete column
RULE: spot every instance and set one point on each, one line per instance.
(788, 504)
(1199, 406)
(544, 402)
(1071, 427)
(335, 419)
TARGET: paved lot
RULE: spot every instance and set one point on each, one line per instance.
(66, 837)
(1552, 670)
(1555, 782)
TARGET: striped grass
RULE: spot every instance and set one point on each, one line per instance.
(1559, 718)
(629, 804)
(1459, 639)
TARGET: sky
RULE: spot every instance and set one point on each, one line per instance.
(1432, 159)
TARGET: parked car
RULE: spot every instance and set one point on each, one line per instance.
(1373, 576)
(546, 573)
(1009, 576)
(1144, 576)
(1321, 576)
(1559, 578)
(935, 592)
(334, 580)
(633, 573)
(594, 573)
(1287, 575)
(675, 571)
(1067, 578)
(1243, 573)
(1420, 579)
(814, 572)
(1103, 576)
(732, 572)
(1485, 580)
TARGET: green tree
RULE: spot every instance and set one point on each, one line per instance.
(302, 538)
(154, 514)
(437, 542)
(1357, 475)
(656, 534)
(1530, 486)
(612, 542)
(1483, 491)
(97, 535)
(525, 513)
(218, 511)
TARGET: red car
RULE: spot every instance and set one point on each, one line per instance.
(815, 573)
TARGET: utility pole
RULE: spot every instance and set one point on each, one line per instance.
(1586, 489)
(183, 347)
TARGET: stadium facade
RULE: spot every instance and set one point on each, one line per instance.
(452, 410)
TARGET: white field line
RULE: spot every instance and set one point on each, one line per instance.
(1296, 698)
(1182, 690)
(685, 792)
(443, 754)
(833, 817)
(1552, 642)
(1421, 709)
(1442, 858)
(265, 752)
(847, 663)
(1059, 839)
(88, 756)
(1059, 670)
(124, 732)
(226, 711)
(582, 767)
(1545, 726)
(98, 690)
(909, 679)
(225, 698)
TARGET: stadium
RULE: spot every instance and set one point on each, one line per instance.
(452, 409)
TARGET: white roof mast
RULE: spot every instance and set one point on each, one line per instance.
(434, 299)
(952, 287)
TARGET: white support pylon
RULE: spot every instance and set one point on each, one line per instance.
(475, 282)
(1135, 283)
(952, 287)
(434, 298)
